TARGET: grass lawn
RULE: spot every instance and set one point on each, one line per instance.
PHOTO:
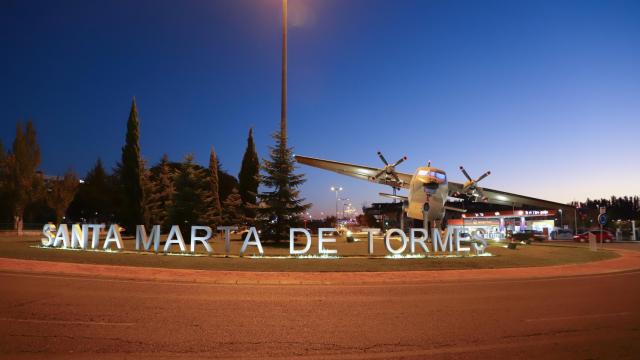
(353, 257)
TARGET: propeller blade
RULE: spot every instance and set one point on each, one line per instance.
(378, 174)
(400, 161)
(382, 158)
(484, 176)
(465, 173)
(395, 176)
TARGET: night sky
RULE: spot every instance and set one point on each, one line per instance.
(546, 94)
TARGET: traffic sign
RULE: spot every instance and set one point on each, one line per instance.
(602, 219)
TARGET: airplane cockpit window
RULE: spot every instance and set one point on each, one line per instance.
(437, 175)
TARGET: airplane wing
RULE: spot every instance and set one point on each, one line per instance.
(356, 171)
(504, 198)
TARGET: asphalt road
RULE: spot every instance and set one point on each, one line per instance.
(593, 317)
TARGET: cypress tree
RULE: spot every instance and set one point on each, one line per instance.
(214, 207)
(282, 204)
(249, 178)
(131, 174)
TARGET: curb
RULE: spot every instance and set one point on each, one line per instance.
(628, 261)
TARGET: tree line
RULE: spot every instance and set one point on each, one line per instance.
(618, 208)
(167, 193)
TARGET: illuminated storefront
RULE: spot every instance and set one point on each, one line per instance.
(495, 224)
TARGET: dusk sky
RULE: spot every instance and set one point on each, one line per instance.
(545, 94)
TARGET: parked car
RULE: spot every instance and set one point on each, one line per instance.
(562, 234)
(606, 236)
(529, 235)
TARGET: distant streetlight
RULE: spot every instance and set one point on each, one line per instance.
(336, 189)
(560, 210)
(307, 217)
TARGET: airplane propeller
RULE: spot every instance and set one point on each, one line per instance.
(389, 169)
(471, 186)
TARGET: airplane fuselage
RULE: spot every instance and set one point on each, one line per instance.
(428, 192)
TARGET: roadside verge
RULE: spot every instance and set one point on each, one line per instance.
(627, 261)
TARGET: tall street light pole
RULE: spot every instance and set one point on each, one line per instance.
(283, 104)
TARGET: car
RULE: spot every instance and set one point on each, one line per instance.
(529, 235)
(606, 236)
(562, 234)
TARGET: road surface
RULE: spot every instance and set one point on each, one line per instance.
(589, 317)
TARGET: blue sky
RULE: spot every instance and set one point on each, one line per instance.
(546, 94)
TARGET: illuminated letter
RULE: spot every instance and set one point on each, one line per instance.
(95, 237)
(202, 239)
(457, 237)
(292, 240)
(370, 232)
(437, 240)
(387, 243)
(113, 235)
(62, 236)
(252, 231)
(154, 237)
(79, 236)
(174, 233)
(322, 240)
(227, 239)
(48, 230)
(479, 239)
(420, 240)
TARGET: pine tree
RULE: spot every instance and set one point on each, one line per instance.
(131, 175)
(94, 201)
(282, 205)
(161, 198)
(233, 213)
(147, 192)
(249, 178)
(60, 194)
(190, 199)
(213, 212)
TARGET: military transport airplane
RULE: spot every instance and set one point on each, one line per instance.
(429, 188)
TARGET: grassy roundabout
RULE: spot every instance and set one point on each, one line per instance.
(352, 257)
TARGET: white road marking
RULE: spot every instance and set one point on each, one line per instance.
(586, 316)
(65, 322)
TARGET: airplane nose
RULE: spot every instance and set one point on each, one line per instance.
(431, 187)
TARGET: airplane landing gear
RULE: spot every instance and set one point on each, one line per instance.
(425, 218)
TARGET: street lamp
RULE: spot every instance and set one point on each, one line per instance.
(336, 189)
(560, 210)
(346, 208)
(343, 204)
